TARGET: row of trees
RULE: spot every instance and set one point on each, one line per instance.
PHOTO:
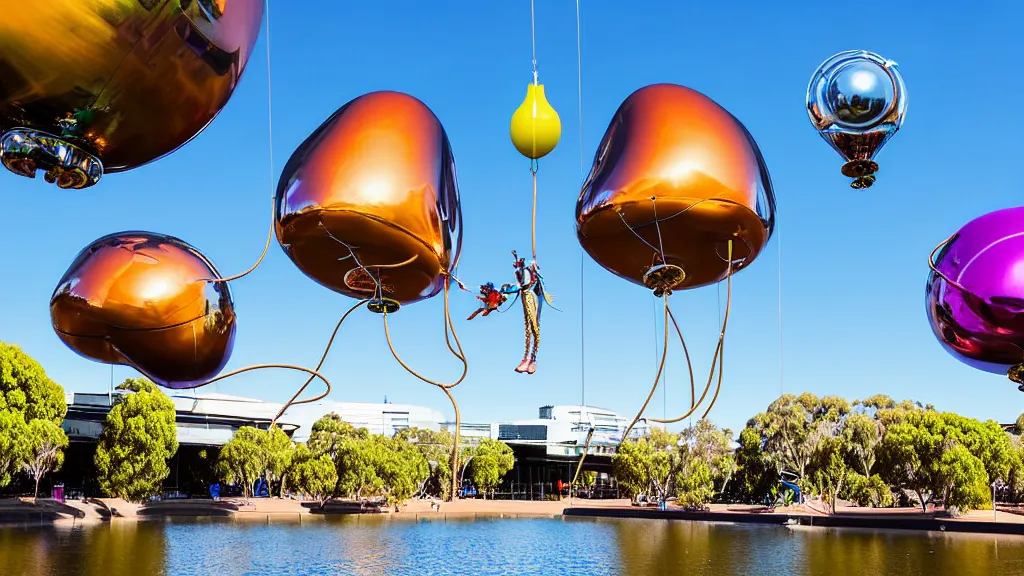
(873, 452)
(340, 461)
(32, 408)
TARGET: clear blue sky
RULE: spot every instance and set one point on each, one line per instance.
(853, 262)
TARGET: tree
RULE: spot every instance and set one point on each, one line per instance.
(756, 477)
(25, 388)
(335, 438)
(314, 476)
(492, 459)
(12, 444)
(792, 427)
(704, 458)
(138, 438)
(243, 458)
(436, 447)
(44, 449)
(1018, 425)
(631, 466)
(862, 434)
(278, 450)
(830, 471)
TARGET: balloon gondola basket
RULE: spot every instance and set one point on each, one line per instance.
(862, 171)
(23, 151)
(663, 278)
(383, 306)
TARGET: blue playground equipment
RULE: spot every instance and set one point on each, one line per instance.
(261, 490)
(215, 491)
(791, 486)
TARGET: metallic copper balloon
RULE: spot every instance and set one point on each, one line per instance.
(975, 292)
(88, 87)
(138, 299)
(368, 205)
(675, 178)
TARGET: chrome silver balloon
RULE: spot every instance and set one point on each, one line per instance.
(857, 100)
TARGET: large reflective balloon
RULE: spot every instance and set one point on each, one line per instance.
(675, 178)
(856, 101)
(368, 205)
(975, 294)
(138, 299)
(88, 87)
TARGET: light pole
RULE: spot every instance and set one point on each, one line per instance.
(995, 514)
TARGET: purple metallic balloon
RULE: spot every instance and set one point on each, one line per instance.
(976, 300)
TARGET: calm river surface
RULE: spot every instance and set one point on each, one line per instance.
(380, 547)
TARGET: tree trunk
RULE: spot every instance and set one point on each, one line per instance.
(36, 495)
(920, 498)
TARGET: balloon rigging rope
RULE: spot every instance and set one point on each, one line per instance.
(457, 351)
(781, 348)
(270, 136)
(330, 342)
(718, 357)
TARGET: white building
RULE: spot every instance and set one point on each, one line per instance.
(377, 418)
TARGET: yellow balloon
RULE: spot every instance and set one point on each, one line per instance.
(535, 127)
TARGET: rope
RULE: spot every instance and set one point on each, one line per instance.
(718, 356)
(657, 377)
(270, 135)
(533, 219)
(446, 388)
(323, 357)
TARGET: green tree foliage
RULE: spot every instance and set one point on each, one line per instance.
(830, 471)
(243, 458)
(26, 389)
(793, 426)
(492, 459)
(138, 438)
(44, 444)
(756, 477)
(1018, 426)
(314, 476)
(436, 448)
(12, 446)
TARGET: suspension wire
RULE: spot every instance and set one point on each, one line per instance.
(583, 255)
(270, 135)
(533, 40)
(778, 235)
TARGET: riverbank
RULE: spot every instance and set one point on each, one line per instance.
(976, 521)
(26, 511)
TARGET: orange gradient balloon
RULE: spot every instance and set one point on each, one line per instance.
(138, 299)
(675, 178)
(369, 205)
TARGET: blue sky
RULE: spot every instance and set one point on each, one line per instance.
(853, 262)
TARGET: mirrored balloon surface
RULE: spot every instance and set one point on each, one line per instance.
(975, 304)
(369, 204)
(857, 101)
(138, 299)
(114, 83)
(675, 178)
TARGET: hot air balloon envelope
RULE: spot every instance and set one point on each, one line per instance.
(368, 205)
(133, 298)
(675, 178)
(108, 85)
(980, 320)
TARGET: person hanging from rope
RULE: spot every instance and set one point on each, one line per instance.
(529, 288)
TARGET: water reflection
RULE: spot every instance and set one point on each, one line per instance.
(379, 546)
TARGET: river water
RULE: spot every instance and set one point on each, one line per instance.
(506, 547)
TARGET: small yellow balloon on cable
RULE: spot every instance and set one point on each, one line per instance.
(535, 126)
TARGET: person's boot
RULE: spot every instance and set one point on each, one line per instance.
(524, 365)
(531, 367)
